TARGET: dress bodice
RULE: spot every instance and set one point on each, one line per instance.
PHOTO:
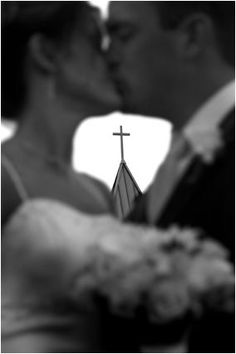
(42, 250)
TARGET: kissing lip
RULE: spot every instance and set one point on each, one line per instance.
(119, 84)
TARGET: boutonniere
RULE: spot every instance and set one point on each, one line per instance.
(206, 143)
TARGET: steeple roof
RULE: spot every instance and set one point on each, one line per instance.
(125, 189)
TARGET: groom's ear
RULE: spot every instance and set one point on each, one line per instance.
(197, 35)
(43, 53)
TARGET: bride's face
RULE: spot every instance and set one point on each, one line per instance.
(82, 77)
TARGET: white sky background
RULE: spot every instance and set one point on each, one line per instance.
(97, 151)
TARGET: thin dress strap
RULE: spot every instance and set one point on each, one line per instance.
(15, 177)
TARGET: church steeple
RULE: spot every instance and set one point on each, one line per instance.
(125, 189)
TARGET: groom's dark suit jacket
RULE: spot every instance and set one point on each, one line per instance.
(205, 198)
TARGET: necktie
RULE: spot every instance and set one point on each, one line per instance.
(168, 175)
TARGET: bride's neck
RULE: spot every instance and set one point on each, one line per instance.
(49, 132)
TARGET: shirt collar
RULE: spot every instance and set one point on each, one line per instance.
(209, 116)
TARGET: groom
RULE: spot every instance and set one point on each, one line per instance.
(176, 60)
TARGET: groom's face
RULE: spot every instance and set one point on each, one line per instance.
(143, 56)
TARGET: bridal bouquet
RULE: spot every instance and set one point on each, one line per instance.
(166, 273)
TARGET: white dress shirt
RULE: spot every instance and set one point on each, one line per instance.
(201, 136)
(212, 112)
(209, 116)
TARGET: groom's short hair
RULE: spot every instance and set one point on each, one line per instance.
(222, 13)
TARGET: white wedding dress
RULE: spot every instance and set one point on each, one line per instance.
(53, 258)
(42, 250)
(41, 254)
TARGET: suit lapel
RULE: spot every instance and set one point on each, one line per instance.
(194, 175)
(228, 127)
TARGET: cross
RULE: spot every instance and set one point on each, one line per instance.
(121, 134)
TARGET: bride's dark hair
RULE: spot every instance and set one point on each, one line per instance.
(19, 21)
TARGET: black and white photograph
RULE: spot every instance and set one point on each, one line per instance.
(117, 176)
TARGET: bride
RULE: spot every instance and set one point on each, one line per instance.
(54, 75)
